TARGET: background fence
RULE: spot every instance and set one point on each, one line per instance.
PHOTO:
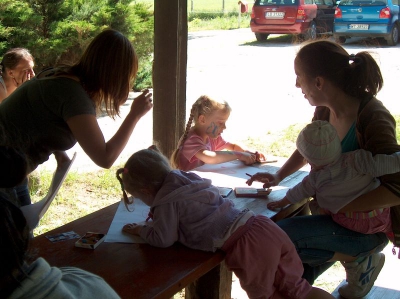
(200, 6)
(215, 5)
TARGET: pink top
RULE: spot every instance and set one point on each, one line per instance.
(193, 144)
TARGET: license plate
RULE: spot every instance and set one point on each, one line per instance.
(359, 26)
(274, 15)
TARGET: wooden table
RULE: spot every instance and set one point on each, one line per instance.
(133, 270)
(142, 271)
(233, 174)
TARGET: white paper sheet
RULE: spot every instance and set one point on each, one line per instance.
(34, 212)
(229, 174)
(137, 214)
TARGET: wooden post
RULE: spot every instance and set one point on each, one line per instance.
(169, 73)
(216, 284)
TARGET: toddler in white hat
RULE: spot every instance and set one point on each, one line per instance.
(319, 143)
(337, 178)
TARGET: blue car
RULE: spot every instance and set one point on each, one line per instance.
(367, 18)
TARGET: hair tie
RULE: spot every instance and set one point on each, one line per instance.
(126, 171)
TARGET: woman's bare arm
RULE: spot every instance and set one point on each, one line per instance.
(87, 132)
(294, 163)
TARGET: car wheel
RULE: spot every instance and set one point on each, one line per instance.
(261, 37)
(394, 36)
(311, 31)
(340, 39)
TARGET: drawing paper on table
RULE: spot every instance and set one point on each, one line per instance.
(228, 174)
(138, 214)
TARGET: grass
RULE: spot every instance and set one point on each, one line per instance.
(207, 5)
(80, 194)
(213, 15)
(219, 23)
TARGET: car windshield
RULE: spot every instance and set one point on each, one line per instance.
(276, 2)
(363, 2)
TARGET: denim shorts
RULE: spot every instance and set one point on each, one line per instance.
(318, 237)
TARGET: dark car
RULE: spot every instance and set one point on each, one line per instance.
(306, 18)
(367, 18)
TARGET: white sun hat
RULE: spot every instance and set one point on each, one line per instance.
(319, 143)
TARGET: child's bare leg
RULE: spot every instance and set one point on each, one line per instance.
(317, 293)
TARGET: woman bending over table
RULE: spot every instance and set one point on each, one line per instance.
(58, 107)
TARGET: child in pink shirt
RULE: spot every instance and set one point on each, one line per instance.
(202, 143)
(186, 208)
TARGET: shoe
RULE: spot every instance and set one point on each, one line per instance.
(361, 276)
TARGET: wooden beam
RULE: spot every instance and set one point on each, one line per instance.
(169, 73)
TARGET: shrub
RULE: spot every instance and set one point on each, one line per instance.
(57, 31)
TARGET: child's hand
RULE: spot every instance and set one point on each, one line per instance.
(266, 178)
(260, 157)
(247, 158)
(278, 204)
(132, 228)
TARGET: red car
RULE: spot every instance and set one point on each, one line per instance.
(306, 18)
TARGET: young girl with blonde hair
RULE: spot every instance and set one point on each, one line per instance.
(202, 142)
(186, 208)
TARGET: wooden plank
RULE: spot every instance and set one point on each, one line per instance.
(216, 284)
(139, 269)
(169, 73)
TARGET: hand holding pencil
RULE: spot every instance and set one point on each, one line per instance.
(266, 178)
(260, 158)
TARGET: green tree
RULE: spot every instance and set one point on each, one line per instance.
(17, 24)
(57, 31)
